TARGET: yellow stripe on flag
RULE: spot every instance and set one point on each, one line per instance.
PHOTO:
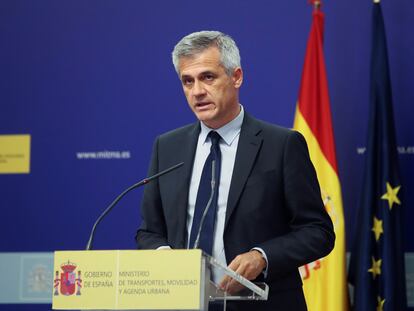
(324, 281)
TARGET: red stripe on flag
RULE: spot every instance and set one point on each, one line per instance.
(314, 96)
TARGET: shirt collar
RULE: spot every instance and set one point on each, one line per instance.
(228, 132)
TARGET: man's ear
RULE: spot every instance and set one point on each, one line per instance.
(237, 77)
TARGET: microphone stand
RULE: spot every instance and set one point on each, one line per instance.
(118, 198)
(213, 188)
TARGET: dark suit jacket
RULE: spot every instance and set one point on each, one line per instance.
(274, 203)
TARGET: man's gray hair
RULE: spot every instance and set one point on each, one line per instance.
(197, 42)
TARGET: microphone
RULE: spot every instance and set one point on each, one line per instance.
(213, 188)
(118, 198)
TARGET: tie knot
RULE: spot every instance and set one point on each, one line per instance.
(215, 138)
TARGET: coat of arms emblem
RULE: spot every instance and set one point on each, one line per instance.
(69, 282)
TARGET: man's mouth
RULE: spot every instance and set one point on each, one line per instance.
(203, 105)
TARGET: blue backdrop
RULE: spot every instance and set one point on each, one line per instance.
(83, 77)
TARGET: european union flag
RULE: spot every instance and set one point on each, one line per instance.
(377, 262)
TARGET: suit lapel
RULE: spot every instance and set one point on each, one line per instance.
(185, 150)
(249, 145)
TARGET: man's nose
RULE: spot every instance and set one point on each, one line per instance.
(198, 89)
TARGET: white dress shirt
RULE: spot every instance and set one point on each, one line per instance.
(230, 134)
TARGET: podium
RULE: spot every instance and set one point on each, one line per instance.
(143, 280)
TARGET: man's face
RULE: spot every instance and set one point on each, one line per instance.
(210, 92)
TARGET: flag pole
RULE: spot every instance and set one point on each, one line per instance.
(317, 4)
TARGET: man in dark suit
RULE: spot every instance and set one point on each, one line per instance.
(269, 217)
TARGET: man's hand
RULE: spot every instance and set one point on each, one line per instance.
(248, 265)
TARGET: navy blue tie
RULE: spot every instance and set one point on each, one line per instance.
(203, 196)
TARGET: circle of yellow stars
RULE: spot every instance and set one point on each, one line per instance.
(391, 196)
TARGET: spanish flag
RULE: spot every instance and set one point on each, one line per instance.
(324, 281)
